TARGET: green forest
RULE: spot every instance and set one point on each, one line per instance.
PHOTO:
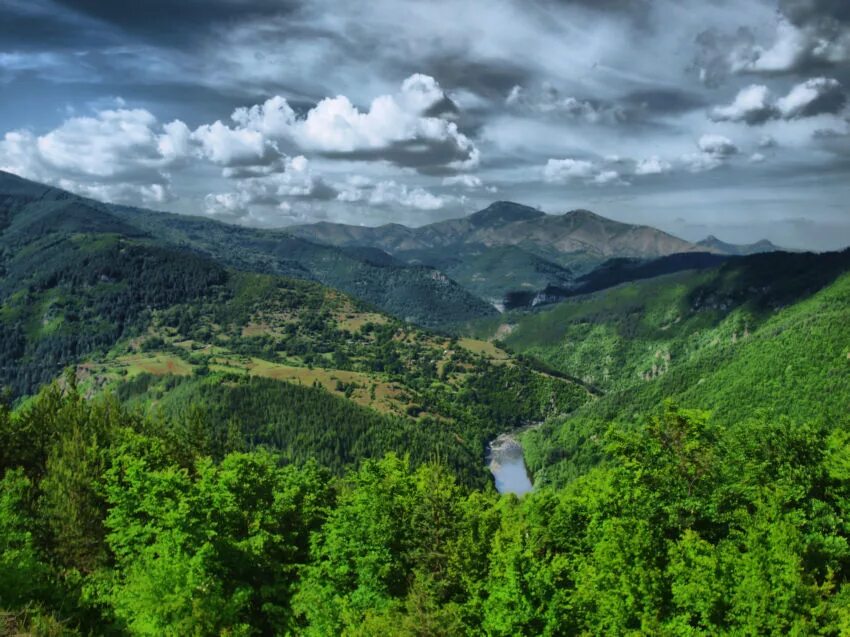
(114, 524)
(212, 432)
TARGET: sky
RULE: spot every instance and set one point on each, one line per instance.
(694, 116)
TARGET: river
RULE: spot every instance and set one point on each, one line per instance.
(508, 465)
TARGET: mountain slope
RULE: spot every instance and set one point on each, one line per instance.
(760, 336)
(175, 332)
(489, 272)
(628, 333)
(30, 211)
(271, 361)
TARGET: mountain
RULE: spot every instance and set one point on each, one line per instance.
(573, 235)
(494, 273)
(417, 293)
(231, 451)
(713, 244)
(276, 458)
(266, 360)
(758, 336)
(510, 254)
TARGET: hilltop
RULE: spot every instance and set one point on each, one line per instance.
(422, 295)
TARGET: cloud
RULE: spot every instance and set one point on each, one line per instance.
(613, 170)
(754, 105)
(813, 97)
(467, 181)
(227, 146)
(767, 141)
(652, 166)
(43, 64)
(714, 151)
(146, 194)
(118, 143)
(563, 171)
(547, 100)
(751, 105)
(608, 177)
(292, 179)
(234, 83)
(809, 35)
(717, 145)
(389, 193)
(411, 128)
(121, 155)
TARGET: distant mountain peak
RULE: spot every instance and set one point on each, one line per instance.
(584, 212)
(503, 212)
(583, 215)
(763, 245)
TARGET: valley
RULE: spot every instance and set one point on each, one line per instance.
(424, 318)
(342, 435)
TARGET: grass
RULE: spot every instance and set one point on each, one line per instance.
(155, 363)
(388, 397)
(355, 322)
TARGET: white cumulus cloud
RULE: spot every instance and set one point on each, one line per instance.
(714, 151)
(813, 97)
(652, 166)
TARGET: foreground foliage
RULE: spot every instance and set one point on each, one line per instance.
(111, 523)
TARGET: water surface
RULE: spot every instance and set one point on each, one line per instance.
(508, 466)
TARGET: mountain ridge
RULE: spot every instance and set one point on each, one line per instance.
(740, 249)
(577, 233)
(31, 212)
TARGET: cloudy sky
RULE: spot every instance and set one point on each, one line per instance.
(696, 116)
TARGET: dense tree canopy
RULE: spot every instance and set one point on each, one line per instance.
(117, 524)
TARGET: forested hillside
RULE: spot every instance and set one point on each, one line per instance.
(193, 444)
(127, 313)
(32, 213)
(113, 524)
(767, 336)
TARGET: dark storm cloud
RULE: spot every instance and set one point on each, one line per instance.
(175, 22)
(428, 156)
(802, 12)
(809, 37)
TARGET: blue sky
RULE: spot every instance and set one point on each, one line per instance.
(694, 116)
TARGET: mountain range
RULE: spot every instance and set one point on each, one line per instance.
(568, 237)
(505, 256)
(419, 294)
(511, 254)
(713, 244)
(202, 432)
